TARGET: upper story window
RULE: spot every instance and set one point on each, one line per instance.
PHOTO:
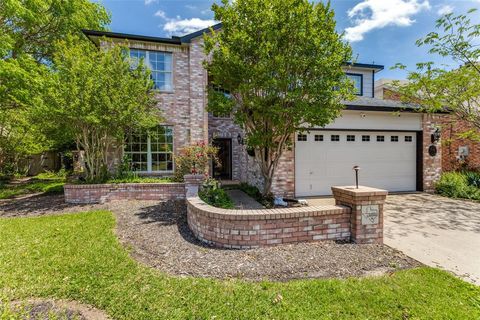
(160, 65)
(357, 80)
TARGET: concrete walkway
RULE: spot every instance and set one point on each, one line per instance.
(243, 200)
(436, 231)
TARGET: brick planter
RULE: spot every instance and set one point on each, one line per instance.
(357, 216)
(98, 193)
(244, 229)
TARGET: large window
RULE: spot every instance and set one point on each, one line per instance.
(357, 80)
(160, 65)
(151, 151)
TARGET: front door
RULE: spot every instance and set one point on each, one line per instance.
(224, 171)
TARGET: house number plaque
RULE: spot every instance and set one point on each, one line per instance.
(370, 214)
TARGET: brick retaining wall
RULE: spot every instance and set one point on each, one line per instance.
(244, 229)
(98, 193)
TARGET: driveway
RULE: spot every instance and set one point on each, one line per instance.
(436, 231)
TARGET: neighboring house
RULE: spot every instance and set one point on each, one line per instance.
(388, 140)
(457, 152)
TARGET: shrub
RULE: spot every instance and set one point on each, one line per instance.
(458, 185)
(194, 159)
(211, 193)
(473, 178)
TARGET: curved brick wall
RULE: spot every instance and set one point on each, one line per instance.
(244, 229)
(97, 193)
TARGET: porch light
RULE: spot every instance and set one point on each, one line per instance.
(240, 139)
(435, 137)
(356, 168)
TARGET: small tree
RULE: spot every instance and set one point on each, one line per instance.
(195, 159)
(454, 88)
(97, 98)
(281, 61)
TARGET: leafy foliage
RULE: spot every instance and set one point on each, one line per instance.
(211, 193)
(194, 159)
(454, 88)
(280, 61)
(464, 185)
(97, 99)
(28, 33)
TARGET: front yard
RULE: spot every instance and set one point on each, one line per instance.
(78, 257)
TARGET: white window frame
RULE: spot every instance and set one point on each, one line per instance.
(149, 65)
(150, 153)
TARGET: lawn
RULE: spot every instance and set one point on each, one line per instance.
(78, 257)
(43, 183)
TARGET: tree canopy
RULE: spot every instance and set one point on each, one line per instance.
(281, 63)
(454, 88)
(29, 31)
(97, 97)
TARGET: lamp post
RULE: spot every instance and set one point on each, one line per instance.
(356, 168)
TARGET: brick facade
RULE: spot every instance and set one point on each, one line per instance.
(432, 165)
(185, 109)
(452, 143)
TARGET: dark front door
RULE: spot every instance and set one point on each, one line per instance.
(224, 171)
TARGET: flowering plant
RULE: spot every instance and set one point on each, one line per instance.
(195, 159)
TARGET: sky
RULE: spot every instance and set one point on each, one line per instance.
(380, 31)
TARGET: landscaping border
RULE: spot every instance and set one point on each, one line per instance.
(99, 193)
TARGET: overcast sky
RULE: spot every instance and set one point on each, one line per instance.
(380, 31)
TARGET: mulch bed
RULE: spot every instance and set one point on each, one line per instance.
(159, 237)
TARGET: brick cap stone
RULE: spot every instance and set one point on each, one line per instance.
(361, 191)
(264, 214)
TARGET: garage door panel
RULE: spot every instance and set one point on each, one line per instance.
(389, 164)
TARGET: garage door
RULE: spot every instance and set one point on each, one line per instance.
(326, 158)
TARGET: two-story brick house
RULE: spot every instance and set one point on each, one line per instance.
(389, 141)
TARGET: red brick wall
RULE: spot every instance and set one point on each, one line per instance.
(99, 193)
(451, 142)
(245, 229)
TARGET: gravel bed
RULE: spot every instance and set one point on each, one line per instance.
(159, 237)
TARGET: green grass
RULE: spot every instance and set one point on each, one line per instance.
(78, 257)
(41, 183)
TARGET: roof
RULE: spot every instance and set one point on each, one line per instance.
(94, 34)
(376, 67)
(374, 104)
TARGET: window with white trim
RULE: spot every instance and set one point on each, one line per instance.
(408, 139)
(319, 137)
(151, 151)
(160, 65)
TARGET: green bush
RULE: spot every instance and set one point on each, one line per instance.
(459, 185)
(473, 178)
(215, 196)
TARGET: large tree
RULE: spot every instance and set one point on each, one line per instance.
(281, 61)
(29, 30)
(98, 96)
(454, 87)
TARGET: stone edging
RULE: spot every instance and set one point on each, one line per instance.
(243, 229)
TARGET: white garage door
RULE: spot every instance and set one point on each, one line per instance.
(326, 158)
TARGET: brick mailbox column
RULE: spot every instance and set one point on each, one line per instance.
(366, 221)
(192, 184)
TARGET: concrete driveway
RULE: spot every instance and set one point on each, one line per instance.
(437, 231)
